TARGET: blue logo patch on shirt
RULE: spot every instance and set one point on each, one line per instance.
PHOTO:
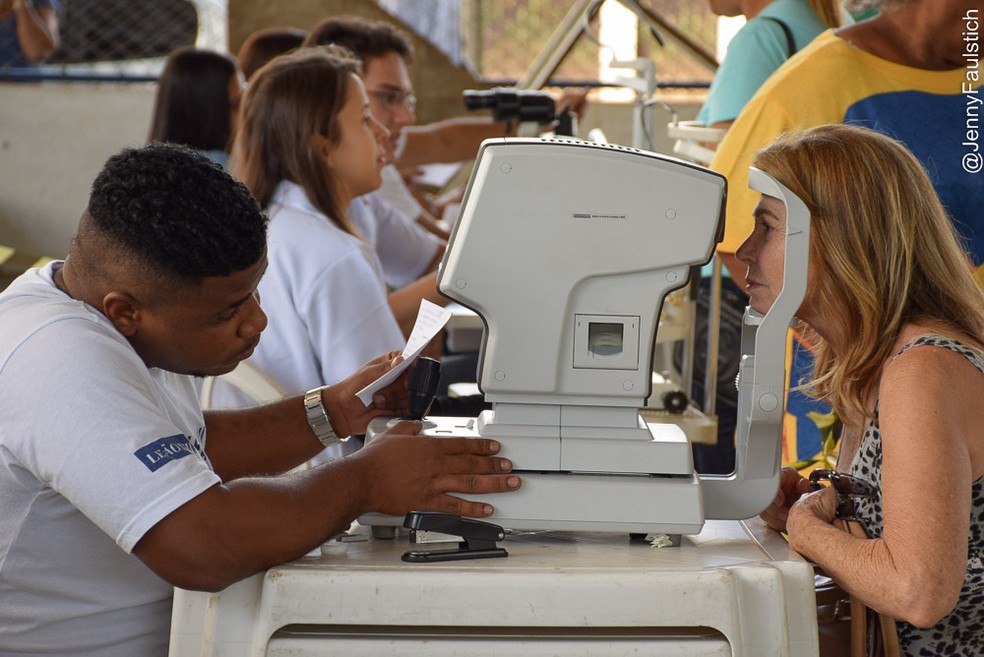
(159, 453)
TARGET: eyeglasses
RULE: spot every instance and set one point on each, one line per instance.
(848, 489)
(392, 98)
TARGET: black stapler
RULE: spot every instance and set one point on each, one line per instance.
(478, 537)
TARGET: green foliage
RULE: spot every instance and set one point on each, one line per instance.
(830, 427)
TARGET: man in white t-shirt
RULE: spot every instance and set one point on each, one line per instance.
(114, 486)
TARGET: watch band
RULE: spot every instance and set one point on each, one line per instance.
(318, 419)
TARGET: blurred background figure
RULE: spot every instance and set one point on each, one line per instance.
(900, 73)
(775, 30)
(386, 55)
(387, 58)
(197, 102)
(306, 148)
(28, 31)
(263, 45)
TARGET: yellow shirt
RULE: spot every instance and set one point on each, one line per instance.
(832, 81)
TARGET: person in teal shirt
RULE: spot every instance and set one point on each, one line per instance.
(776, 30)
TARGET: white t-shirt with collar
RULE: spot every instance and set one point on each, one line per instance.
(404, 248)
(394, 191)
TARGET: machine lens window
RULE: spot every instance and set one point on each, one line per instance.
(605, 339)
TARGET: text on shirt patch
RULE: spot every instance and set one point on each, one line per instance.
(157, 454)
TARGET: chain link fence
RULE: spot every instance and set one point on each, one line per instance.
(130, 38)
(500, 39)
(497, 38)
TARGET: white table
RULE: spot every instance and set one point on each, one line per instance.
(734, 589)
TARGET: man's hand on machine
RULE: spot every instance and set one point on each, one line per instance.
(413, 472)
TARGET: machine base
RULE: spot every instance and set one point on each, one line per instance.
(577, 501)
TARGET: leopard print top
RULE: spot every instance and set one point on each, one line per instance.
(962, 631)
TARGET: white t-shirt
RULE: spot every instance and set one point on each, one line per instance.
(95, 449)
(325, 299)
(404, 248)
(394, 191)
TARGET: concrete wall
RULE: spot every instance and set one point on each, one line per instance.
(55, 136)
(54, 139)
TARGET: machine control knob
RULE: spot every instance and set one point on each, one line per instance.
(768, 402)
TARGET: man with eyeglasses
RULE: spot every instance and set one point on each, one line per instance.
(386, 56)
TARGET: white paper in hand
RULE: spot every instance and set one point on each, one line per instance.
(431, 318)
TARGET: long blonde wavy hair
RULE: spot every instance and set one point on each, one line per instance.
(883, 252)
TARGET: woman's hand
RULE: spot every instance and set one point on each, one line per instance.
(792, 485)
(818, 505)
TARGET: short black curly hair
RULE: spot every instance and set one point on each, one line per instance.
(178, 212)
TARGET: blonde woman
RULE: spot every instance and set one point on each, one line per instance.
(898, 325)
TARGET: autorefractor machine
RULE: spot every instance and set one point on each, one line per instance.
(566, 250)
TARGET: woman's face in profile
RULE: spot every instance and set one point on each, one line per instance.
(763, 252)
(356, 161)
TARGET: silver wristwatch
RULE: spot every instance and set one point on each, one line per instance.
(318, 418)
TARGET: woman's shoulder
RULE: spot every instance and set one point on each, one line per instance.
(305, 229)
(934, 334)
(935, 356)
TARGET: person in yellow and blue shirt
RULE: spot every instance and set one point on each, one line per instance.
(908, 72)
